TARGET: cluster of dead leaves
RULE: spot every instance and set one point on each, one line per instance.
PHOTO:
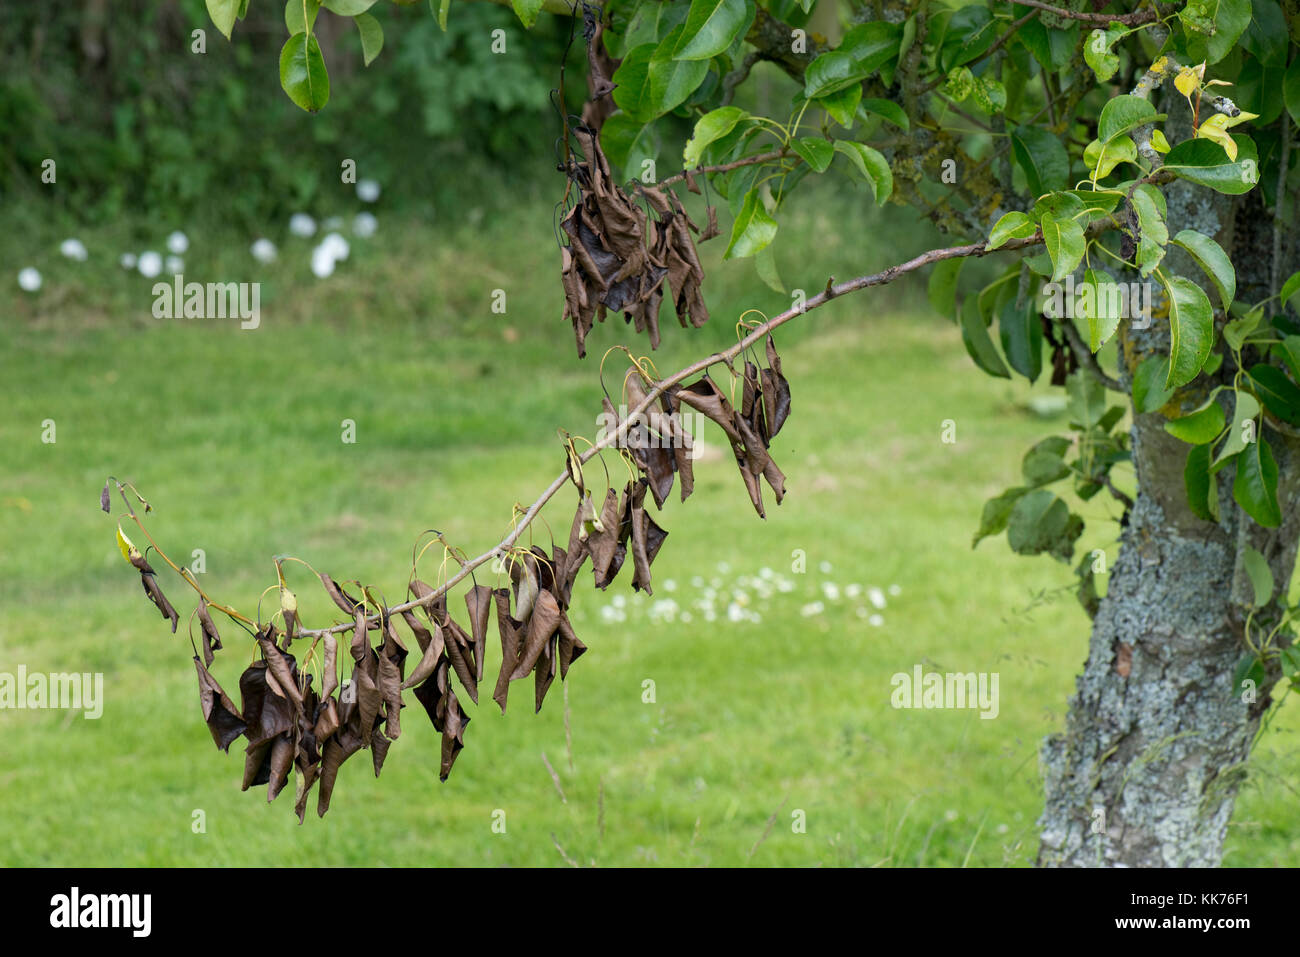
(764, 407)
(619, 257)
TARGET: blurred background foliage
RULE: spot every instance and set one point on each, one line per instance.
(138, 122)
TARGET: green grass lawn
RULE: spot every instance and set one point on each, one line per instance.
(234, 436)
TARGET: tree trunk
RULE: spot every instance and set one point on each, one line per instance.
(1157, 737)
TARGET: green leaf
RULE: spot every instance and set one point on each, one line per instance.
(1291, 90)
(1278, 393)
(1289, 289)
(1021, 333)
(997, 511)
(650, 84)
(1255, 485)
(1064, 242)
(890, 110)
(975, 336)
(1012, 225)
(711, 127)
(872, 44)
(350, 8)
(1041, 522)
(842, 105)
(941, 289)
(1122, 114)
(1101, 303)
(1201, 427)
(1249, 668)
(443, 7)
(765, 264)
(711, 26)
(1191, 330)
(1238, 330)
(1204, 162)
(627, 143)
(1149, 392)
(1261, 576)
(527, 11)
(832, 71)
(816, 152)
(1096, 53)
(871, 166)
(1231, 17)
(293, 15)
(959, 84)
(302, 72)
(1045, 462)
(372, 36)
(1101, 157)
(1042, 157)
(1239, 435)
(1153, 235)
(1210, 256)
(223, 13)
(753, 229)
(1202, 490)
(989, 96)
(1087, 399)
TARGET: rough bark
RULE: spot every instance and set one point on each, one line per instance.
(1157, 738)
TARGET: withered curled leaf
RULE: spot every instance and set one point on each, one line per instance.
(223, 718)
(211, 640)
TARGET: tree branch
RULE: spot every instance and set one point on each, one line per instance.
(832, 291)
(1101, 19)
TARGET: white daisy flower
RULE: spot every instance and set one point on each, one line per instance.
(876, 596)
(322, 262)
(300, 224)
(337, 245)
(178, 243)
(127, 260)
(263, 250)
(812, 608)
(364, 225)
(175, 264)
(367, 190)
(150, 264)
(74, 249)
(29, 280)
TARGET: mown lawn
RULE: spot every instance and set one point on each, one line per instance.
(234, 436)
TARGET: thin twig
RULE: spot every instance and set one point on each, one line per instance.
(564, 854)
(1136, 18)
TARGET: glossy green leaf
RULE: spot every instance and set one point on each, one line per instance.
(842, 105)
(709, 128)
(1240, 434)
(871, 166)
(1255, 485)
(1012, 225)
(817, 153)
(1191, 330)
(1064, 241)
(1042, 158)
(1205, 163)
(1149, 390)
(1210, 256)
(372, 36)
(711, 26)
(753, 229)
(302, 72)
(1101, 301)
(294, 19)
(888, 109)
(975, 336)
(1021, 332)
(1201, 427)
(223, 14)
(1278, 393)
